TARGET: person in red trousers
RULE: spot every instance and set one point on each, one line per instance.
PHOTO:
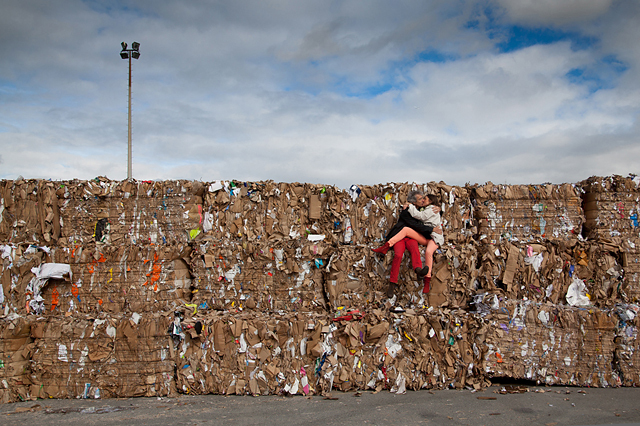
(406, 220)
(398, 253)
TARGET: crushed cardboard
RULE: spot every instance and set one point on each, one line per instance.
(272, 288)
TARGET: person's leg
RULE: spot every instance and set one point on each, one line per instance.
(412, 246)
(431, 248)
(398, 252)
(410, 233)
(428, 257)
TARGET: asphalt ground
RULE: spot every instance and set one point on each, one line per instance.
(496, 405)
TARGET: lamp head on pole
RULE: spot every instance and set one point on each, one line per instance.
(135, 46)
(124, 45)
(124, 54)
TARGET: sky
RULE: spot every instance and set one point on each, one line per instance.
(326, 92)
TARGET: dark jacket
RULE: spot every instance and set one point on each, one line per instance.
(406, 219)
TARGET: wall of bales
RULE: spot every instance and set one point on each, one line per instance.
(118, 289)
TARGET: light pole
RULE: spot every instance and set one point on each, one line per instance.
(134, 53)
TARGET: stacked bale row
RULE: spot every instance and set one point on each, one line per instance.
(313, 354)
(234, 259)
(611, 206)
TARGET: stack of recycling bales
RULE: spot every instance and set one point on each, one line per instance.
(611, 206)
(270, 288)
(543, 292)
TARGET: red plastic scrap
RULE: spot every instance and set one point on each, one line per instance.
(349, 315)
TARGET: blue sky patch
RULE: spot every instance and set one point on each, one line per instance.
(395, 76)
(363, 91)
(517, 37)
(600, 75)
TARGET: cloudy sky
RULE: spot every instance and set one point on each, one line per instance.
(335, 92)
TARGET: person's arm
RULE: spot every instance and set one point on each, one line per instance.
(427, 215)
(415, 224)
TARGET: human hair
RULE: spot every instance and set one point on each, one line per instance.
(411, 197)
(433, 199)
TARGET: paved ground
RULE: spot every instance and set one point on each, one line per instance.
(539, 406)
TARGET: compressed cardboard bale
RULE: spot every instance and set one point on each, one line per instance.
(353, 277)
(626, 344)
(372, 210)
(246, 353)
(544, 272)
(454, 275)
(18, 260)
(15, 347)
(110, 357)
(127, 278)
(286, 278)
(356, 277)
(253, 211)
(550, 344)
(457, 211)
(630, 253)
(611, 205)
(527, 213)
(112, 212)
(434, 351)
(258, 249)
(101, 278)
(28, 211)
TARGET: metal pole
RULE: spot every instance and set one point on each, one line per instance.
(129, 174)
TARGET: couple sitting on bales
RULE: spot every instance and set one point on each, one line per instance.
(419, 223)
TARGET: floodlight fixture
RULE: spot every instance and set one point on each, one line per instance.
(134, 53)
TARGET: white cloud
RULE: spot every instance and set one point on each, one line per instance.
(277, 90)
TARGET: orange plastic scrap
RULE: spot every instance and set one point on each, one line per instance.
(54, 298)
(154, 274)
(499, 357)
